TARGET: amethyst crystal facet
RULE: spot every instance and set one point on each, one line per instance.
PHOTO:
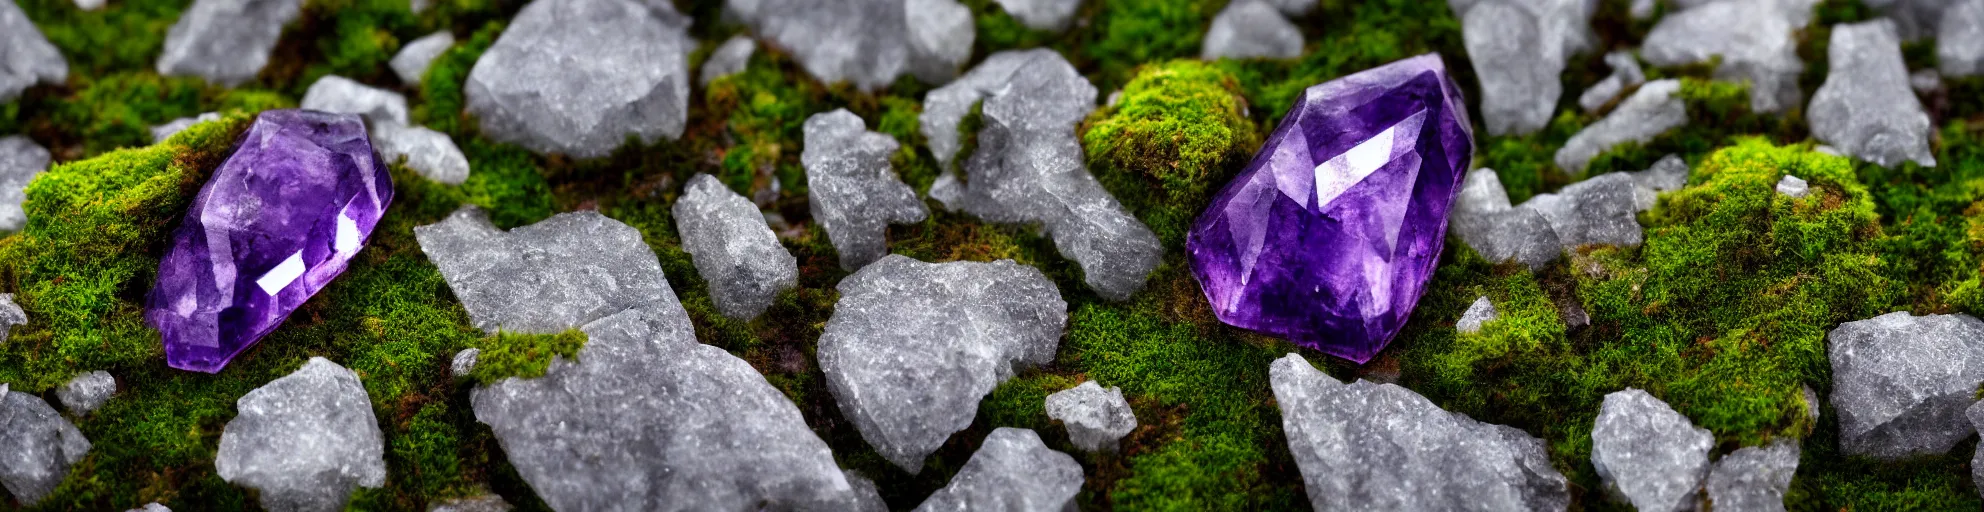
(278, 220)
(1329, 235)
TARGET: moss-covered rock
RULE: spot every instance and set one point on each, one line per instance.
(1181, 126)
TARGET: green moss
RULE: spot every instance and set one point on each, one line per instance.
(118, 110)
(1182, 125)
(123, 36)
(1022, 402)
(443, 104)
(1126, 34)
(524, 355)
(352, 38)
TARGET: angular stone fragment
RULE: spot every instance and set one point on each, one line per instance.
(1960, 39)
(1357, 443)
(87, 392)
(649, 419)
(1753, 478)
(1051, 15)
(226, 42)
(1012, 470)
(1654, 109)
(306, 440)
(1096, 418)
(1484, 220)
(1648, 455)
(945, 107)
(866, 42)
(26, 57)
(1602, 210)
(1976, 416)
(1755, 40)
(464, 362)
(340, 95)
(732, 248)
(428, 152)
(1480, 312)
(865, 497)
(560, 273)
(1913, 19)
(173, 127)
(414, 58)
(912, 346)
(1901, 383)
(1792, 186)
(1866, 107)
(939, 34)
(730, 58)
(1250, 29)
(1519, 48)
(483, 503)
(20, 161)
(852, 189)
(580, 77)
(37, 446)
(10, 315)
(1668, 174)
(1294, 7)
(1625, 73)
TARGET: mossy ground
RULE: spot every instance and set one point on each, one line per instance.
(1722, 312)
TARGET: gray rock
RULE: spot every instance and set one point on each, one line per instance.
(341, 95)
(733, 248)
(226, 42)
(1670, 173)
(649, 419)
(464, 362)
(1294, 7)
(306, 440)
(1357, 443)
(1625, 73)
(1925, 81)
(1051, 15)
(150, 507)
(560, 273)
(1480, 312)
(11, 315)
(1519, 48)
(1648, 455)
(37, 446)
(1602, 210)
(852, 190)
(1251, 29)
(26, 57)
(1484, 220)
(1960, 39)
(939, 35)
(1914, 19)
(167, 130)
(90, 5)
(1755, 39)
(580, 77)
(1641, 9)
(1792, 186)
(20, 161)
(1901, 382)
(729, 59)
(1649, 112)
(483, 503)
(87, 392)
(1866, 107)
(1811, 402)
(1096, 418)
(865, 497)
(945, 107)
(866, 42)
(912, 346)
(428, 152)
(1012, 470)
(1976, 416)
(414, 58)
(1753, 478)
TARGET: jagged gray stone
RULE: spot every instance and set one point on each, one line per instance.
(10, 315)
(464, 362)
(1519, 48)
(1051, 15)
(945, 107)
(1901, 382)
(1625, 73)
(732, 247)
(729, 58)
(580, 77)
(1602, 210)
(306, 440)
(852, 190)
(912, 347)
(483, 503)
(1096, 418)
(560, 273)
(341, 95)
(37, 446)
(26, 57)
(1251, 29)
(1480, 312)
(1960, 39)
(20, 161)
(430, 153)
(1668, 174)
(1866, 107)
(1484, 220)
(940, 33)
(866, 42)
(1652, 110)
(1753, 478)
(1976, 416)
(173, 127)
(1357, 443)
(415, 57)
(86, 392)
(1756, 40)
(865, 497)
(1648, 455)
(226, 42)
(1792, 186)
(1012, 470)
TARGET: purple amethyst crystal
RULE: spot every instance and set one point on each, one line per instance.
(1329, 235)
(276, 222)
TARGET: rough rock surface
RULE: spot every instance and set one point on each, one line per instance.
(1625, 73)
(10, 315)
(940, 33)
(912, 346)
(1668, 174)
(1519, 48)
(20, 161)
(866, 42)
(1976, 416)
(728, 59)
(26, 57)
(1901, 383)
(225, 41)
(1756, 39)
(581, 76)
(428, 152)
(1914, 19)
(560, 273)
(1649, 112)
(945, 107)
(1484, 220)
(1960, 39)
(464, 362)
(87, 392)
(483, 503)
(1480, 312)
(1096, 418)
(865, 498)
(1794, 187)
(340, 95)
(1753, 478)
(1249, 29)
(173, 127)
(306, 440)
(37, 446)
(1041, 14)
(1012, 470)
(1602, 210)
(414, 58)
(851, 188)
(1357, 443)
(1647, 454)
(1866, 107)
(733, 248)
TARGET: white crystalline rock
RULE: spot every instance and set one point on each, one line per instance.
(729, 58)
(580, 77)
(1042, 14)
(732, 247)
(945, 107)
(1484, 220)
(912, 346)
(1652, 110)
(1753, 478)
(87, 392)
(1901, 383)
(1602, 210)
(26, 57)
(1755, 39)
(865, 42)
(1960, 39)
(306, 440)
(173, 127)
(431, 153)
(1625, 73)
(340, 95)
(226, 42)
(852, 189)
(1096, 418)
(1866, 107)
(940, 33)
(1519, 48)
(1357, 443)
(1250, 29)
(37, 446)
(1648, 455)
(414, 58)
(560, 273)
(20, 161)
(1480, 312)
(1012, 470)
(1792, 186)
(464, 362)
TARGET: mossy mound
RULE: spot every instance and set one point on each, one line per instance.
(1183, 126)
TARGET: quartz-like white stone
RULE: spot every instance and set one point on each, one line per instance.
(151, 507)
(851, 187)
(1648, 455)
(1792, 186)
(227, 42)
(1901, 383)
(1097, 418)
(1753, 478)
(1519, 48)
(86, 392)
(1866, 107)
(430, 153)
(415, 57)
(305, 441)
(26, 57)
(1960, 39)
(464, 362)
(729, 58)
(173, 127)
(1012, 470)
(1249, 29)
(1652, 110)
(580, 77)
(1914, 19)
(38, 444)
(340, 95)
(1480, 312)
(1041, 14)
(1625, 73)
(1602, 210)
(1484, 220)
(939, 34)
(20, 161)
(732, 247)
(11, 315)
(560, 273)
(1754, 40)
(866, 42)
(1925, 81)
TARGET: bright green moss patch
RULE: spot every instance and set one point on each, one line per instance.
(123, 36)
(1183, 126)
(1125, 34)
(118, 110)
(524, 355)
